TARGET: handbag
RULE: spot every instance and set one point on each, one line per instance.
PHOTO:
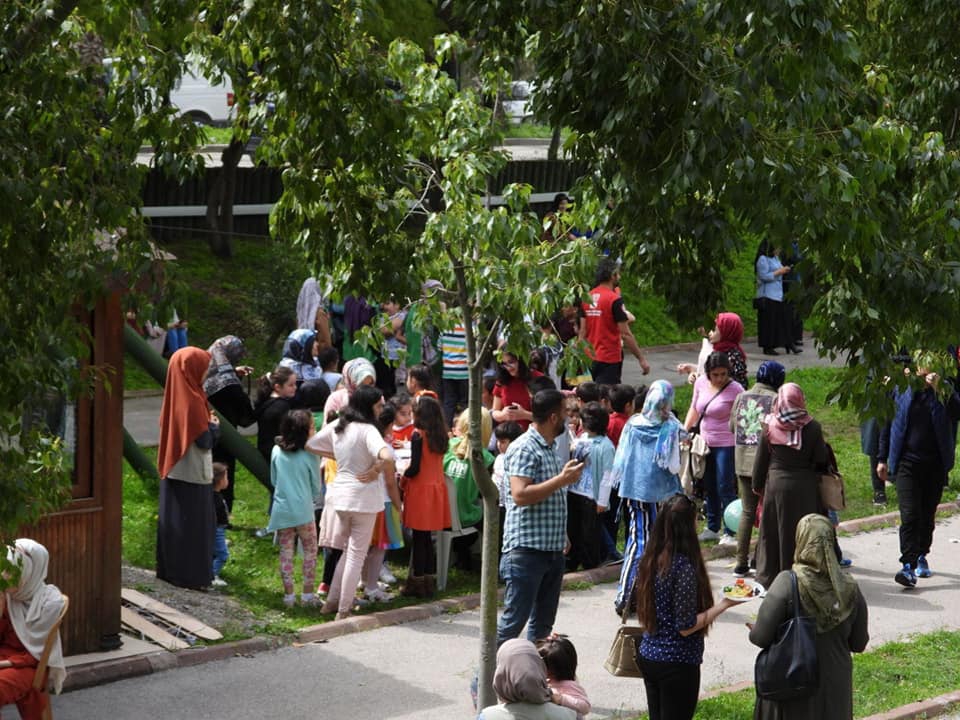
(622, 658)
(788, 669)
(832, 493)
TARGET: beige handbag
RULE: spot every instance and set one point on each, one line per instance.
(622, 658)
(832, 494)
(831, 491)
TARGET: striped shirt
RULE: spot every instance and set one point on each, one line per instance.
(453, 345)
(542, 526)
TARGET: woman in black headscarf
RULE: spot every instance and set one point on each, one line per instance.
(227, 396)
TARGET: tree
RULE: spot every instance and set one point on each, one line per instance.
(69, 230)
(420, 155)
(705, 122)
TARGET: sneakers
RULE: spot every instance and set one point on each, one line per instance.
(741, 571)
(289, 600)
(845, 562)
(262, 533)
(323, 589)
(218, 581)
(880, 498)
(708, 534)
(906, 576)
(728, 540)
(387, 577)
(378, 596)
(923, 569)
(613, 558)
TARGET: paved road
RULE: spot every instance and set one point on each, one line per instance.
(422, 670)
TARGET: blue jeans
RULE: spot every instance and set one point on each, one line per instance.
(720, 485)
(533, 579)
(220, 552)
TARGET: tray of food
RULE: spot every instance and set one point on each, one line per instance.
(742, 590)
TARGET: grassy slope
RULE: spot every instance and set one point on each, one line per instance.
(215, 298)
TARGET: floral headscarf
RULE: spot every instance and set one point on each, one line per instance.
(225, 354)
(788, 416)
(356, 371)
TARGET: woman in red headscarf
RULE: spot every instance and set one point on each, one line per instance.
(188, 429)
(726, 338)
(791, 455)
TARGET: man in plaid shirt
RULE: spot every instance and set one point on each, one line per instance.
(534, 535)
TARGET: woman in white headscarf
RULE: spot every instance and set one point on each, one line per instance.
(27, 612)
(520, 682)
(356, 372)
(312, 312)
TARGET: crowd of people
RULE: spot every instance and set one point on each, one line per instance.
(373, 454)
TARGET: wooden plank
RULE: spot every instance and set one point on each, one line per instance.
(150, 631)
(168, 614)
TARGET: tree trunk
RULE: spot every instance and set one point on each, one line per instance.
(554, 144)
(490, 558)
(220, 201)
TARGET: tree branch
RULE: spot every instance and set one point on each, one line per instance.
(37, 30)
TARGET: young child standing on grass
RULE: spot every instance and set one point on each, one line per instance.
(220, 552)
(560, 657)
(426, 507)
(296, 480)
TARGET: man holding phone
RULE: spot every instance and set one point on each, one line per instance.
(534, 535)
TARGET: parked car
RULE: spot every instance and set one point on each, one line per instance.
(194, 96)
(518, 104)
(202, 101)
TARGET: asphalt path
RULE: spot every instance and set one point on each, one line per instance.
(422, 670)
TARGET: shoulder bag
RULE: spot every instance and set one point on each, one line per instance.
(697, 454)
(789, 669)
(832, 493)
(622, 658)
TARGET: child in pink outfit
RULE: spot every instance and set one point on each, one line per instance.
(560, 657)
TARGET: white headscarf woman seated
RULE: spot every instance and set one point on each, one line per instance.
(29, 609)
(520, 682)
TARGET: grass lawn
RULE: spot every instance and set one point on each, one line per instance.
(252, 571)
(884, 678)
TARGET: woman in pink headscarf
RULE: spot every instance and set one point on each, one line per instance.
(790, 458)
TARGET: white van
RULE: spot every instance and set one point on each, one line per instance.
(201, 101)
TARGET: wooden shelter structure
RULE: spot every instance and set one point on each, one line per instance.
(84, 537)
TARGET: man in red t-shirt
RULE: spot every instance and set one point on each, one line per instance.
(607, 328)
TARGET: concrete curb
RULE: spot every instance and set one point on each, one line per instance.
(98, 673)
(933, 707)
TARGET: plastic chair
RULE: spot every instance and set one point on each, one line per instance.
(445, 537)
(40, 675)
